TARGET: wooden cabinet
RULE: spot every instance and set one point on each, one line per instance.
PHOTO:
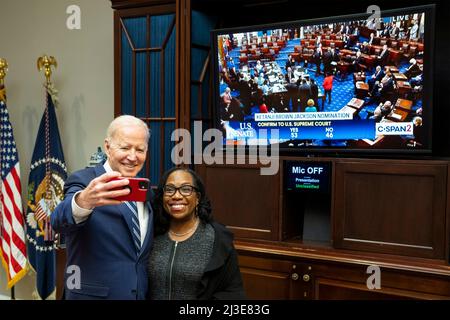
(387, 213)
(273, 271)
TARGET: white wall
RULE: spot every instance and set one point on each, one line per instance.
(84, 78)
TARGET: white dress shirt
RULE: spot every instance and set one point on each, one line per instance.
(81, 214)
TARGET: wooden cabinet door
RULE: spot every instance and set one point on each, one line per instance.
(146, 74)
(243, 199)
(273, 279)
(391, 206)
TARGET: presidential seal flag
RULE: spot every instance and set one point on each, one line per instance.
(12, 228)
(45, 190)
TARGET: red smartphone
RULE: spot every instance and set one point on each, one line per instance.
(138, 189)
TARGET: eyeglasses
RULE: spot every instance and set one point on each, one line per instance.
(185, 190)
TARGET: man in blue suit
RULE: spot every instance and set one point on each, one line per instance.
(106, 253)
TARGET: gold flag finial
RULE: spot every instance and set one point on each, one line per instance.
(45, 62)
(3, 70)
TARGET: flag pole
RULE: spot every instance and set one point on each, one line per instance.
(45, 62)
(3, 69)
(45, 187)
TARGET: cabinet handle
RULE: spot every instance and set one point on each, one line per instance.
(306, 277)
(294, 276)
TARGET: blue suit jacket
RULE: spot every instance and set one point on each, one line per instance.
(102, 247)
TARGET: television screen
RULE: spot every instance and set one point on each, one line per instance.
(307, 176)
(339, 83)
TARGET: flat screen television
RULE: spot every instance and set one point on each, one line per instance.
(307, 176)
(346, 83)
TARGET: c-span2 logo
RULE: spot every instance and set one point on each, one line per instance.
(394, 128)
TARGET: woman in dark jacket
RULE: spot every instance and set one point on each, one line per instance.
(192, 257)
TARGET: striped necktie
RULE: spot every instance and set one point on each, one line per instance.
(135, 222)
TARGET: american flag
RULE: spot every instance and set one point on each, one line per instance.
(41, 210)
(12, 231)
(43, 213)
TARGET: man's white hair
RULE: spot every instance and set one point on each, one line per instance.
(125, 120)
